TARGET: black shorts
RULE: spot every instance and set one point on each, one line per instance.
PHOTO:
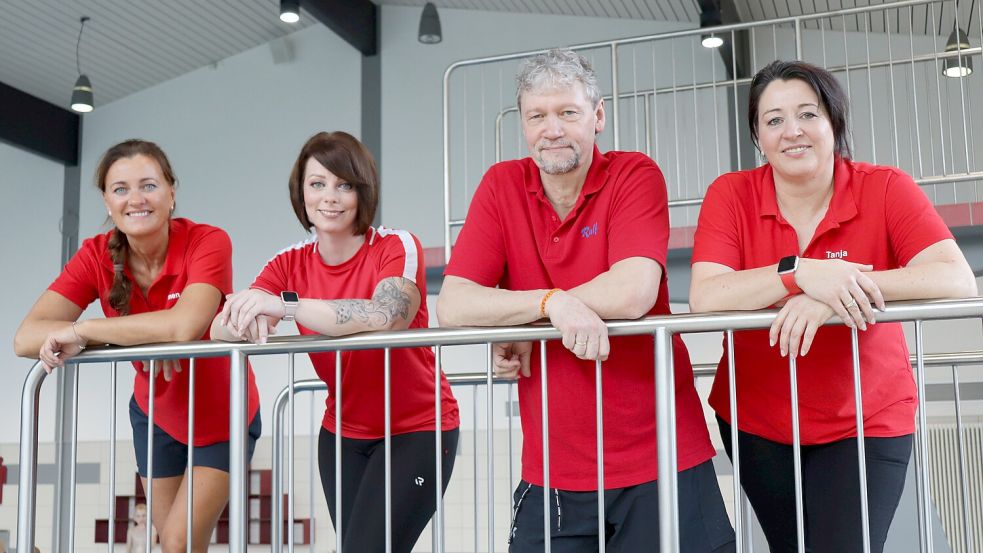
(171, 456)
(631, 517)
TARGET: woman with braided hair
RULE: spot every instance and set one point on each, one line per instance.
(158, 279)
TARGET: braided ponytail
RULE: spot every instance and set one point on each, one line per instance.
(119, 246)
(119, 294)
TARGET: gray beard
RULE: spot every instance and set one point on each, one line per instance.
(558, 167)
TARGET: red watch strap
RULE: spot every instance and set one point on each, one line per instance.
(788, 279)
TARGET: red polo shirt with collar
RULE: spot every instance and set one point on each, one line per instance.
(513, 239)
(196, 253)
(386, 253)
(877, 216)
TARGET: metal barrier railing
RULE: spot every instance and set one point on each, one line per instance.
(888, 56)
(662, 328)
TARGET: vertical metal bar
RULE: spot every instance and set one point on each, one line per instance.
(739, 520)
(846, 70)
(438, 410)
(890, 81)
(73, 455)
(447, 173)
(870, 88)
(388, 449)
(677, 173)
(798, 39)
(276, 529)
(737, 119)
(489, 414)
(511, 408)
(150, 454)
(337, 451)
(822, 38)
(861, 446)
(614, 101)
(696, 122)
(921, 431)
(938, 91)
(648, 124)
(27, 485)
(111, 538)
(291, 450)
(311, 454)
(716, 128)
(238, 476)
(655, 106)
(599, 405)
(797, 453)
(189, 522)
(544, 399)
(914, 89)
(474, 462)
(634, 89)
(963, 479)
(962, 97)
(665, 435)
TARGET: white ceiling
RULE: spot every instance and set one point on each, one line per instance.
(130, 45)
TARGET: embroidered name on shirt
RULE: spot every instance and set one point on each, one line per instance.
(836, 255)
(589, 230)
(174, 296)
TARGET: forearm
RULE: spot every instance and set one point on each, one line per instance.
(31, 335)
(621, 294)
(476, 305)
(738, 290)
(343, 317)
(143, 328)
(935, 280)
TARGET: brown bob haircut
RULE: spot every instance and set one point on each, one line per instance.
(349, 160)
(822, 82)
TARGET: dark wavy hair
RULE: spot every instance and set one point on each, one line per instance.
(349, 160)
(831, 97)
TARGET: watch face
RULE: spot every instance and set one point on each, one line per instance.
(787, 264)
(289, 297)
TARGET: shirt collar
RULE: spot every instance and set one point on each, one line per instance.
(177, 245)
(596, 175)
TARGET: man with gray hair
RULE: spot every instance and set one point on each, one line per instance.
(577, 236)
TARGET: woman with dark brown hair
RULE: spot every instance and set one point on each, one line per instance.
(350, 277)
(159, 279)
(818, 234)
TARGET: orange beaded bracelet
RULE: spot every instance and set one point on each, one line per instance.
(542, 303)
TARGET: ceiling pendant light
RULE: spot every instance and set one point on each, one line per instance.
(712, 41)
(958, 66)
(290, 11)
(82, 99)
(430, 25)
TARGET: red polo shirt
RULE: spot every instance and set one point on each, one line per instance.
(877, 216)
(195, 254)
(513, 239)
(385, 253)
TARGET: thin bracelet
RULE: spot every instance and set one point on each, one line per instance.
(542, 303)
(77, 335)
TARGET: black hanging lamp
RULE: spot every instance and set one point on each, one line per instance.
(430, 25)
(82, 98)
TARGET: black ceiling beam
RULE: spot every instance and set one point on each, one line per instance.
(353, 20)
(31, 123)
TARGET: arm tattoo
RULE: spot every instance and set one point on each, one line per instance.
(388, 303)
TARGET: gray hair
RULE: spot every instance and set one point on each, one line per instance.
(557, 68)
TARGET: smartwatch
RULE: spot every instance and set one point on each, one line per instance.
(786, 271)
(290, 302)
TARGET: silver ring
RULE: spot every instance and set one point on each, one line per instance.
(851, 304)
(580, 343)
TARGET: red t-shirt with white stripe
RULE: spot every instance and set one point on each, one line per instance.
(385, 253)
(877, 216)
(513, 238)
(196, 253)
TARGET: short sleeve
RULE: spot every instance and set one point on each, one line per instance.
(913, 223)
(638, 225)
(479, 253)
(209, 259)
(400, 256)
(717, 239)
(78, 280)
(273, 278)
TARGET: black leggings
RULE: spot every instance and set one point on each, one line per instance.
(363, 487)
(830, 489)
